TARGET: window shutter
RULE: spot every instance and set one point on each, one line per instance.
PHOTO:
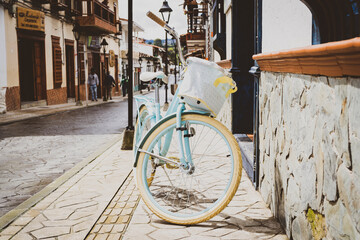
(57, 62)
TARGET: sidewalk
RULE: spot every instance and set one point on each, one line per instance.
(102, 202)
(33, 112)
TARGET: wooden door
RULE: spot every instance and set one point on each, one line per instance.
(70, 71)
(40, 85)
(26, 70)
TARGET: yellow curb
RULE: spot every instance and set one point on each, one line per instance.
(26, 205)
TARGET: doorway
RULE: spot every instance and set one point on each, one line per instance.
(31, 71)
(70, 70)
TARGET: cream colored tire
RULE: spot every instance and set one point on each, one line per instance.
(217, 168)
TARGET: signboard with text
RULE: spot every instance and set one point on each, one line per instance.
(30, 19)
(112, 58)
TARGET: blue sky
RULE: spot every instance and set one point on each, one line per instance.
(152, 30)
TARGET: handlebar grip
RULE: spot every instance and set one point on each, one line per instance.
(155, 18)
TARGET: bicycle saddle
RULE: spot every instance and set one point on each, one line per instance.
(147, 76)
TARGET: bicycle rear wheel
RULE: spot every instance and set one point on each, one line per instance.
(142, 125)
(187, 198)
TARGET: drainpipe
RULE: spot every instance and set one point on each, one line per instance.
(255, 71)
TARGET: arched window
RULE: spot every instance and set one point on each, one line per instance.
(335, 19)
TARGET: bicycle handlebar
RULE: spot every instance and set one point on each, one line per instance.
(171, 31)
(156, 19)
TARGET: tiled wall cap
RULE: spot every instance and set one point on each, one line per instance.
(340, 58)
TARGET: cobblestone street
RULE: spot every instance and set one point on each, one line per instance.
(36, 151)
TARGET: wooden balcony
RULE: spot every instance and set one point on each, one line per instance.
(96, 18)
(59, 5)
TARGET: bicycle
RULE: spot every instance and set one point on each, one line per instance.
(188, 165)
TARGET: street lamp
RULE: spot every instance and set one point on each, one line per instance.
(140, 62)
(104, 45)
(165, 11)
(76, 32)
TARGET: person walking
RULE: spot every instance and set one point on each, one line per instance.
(93, 81)
(109, 83)
(124, 83)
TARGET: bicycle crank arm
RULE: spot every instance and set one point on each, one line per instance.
(160, 157)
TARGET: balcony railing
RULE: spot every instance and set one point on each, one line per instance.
(96, 17)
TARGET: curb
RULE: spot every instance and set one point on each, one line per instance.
(26, 205)
(56, 111)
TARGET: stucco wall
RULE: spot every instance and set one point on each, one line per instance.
(3, 73)
(309, 153)
(286, 24)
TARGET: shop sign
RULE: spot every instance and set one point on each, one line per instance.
(30, 19)
(93, 42)
(112, 58)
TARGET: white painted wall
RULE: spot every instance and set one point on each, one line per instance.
(3, 75)
(228, 11)
(286, 24)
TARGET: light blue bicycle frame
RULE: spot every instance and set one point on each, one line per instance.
(177, 107)
(154, 115)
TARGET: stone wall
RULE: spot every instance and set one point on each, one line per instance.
(309, 154)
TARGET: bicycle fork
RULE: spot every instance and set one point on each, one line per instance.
(186, 162)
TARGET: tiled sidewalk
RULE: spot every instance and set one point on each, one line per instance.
(101, 202)
(246, 217)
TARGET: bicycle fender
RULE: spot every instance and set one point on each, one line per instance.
(173, 115)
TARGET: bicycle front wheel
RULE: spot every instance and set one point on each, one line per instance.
(183, 197)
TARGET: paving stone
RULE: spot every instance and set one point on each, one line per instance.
(102, 219)
(115, 236)
(112, 219)
(22, 236)
(126, 211)
(50, 232)
(90, 236)
(123, 219)
(169, 234)
(11, 230)
(197, 237)
(101, 237)
(219, 232)
(106, 228)
(22, 221)
(96, 228)
(57, 214)
(118, 228)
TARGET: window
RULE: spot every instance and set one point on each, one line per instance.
(57, 61)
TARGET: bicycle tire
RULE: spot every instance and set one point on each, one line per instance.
(143, 113)
(221, 178)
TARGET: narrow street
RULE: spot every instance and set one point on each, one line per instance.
(34, 152)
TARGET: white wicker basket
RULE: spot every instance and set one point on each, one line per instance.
(206, 86)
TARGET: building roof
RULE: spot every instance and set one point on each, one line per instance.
(136, 26)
